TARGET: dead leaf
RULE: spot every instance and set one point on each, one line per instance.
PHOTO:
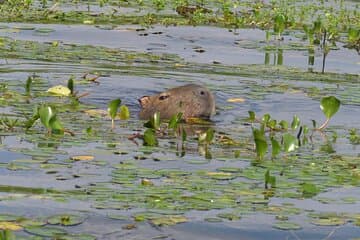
(82, 158)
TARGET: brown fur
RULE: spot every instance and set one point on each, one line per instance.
(194, 101)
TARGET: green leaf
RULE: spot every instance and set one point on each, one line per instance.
(206, 137)
(59, 90)
(251, 116)
(290, 142)
(175, 120)
(272, 123)
(353, 34)
(209, 135)
(270, 179)
(150, 137)
(279, 23)
(260, 143)
(318, 26)
(124, 112)
(305, 129)
(284, 124)
(295, 123)
(51, 232)
(113, 107)
(70, 85)
(266, 118)
(309, 190)
(184, 135)
(65, 220)
(329, 105)
(28, 85)
(46, 113)
(56, 126)
(276, 147)
(284, 225)
(154, 121)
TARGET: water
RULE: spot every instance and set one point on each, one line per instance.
(40, 164)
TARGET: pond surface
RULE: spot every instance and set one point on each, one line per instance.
(190, 195)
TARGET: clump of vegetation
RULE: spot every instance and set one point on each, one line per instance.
(288, 142)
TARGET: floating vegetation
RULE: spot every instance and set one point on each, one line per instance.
(55, 125)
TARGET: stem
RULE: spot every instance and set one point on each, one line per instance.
(112, 124)
(69, 132)
(324, 124)
(324, 52)
(82, 95)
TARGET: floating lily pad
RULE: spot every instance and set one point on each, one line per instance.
(59, 90)
(32, 222)
(287, 226)
(65, 220)
(118, 217)
(46, 231)
(82, 158)
(332, 221)
(10, 226)
(230, 169)
(9, 217)
(24, 27)
(228, 216)
(169, 220)
(78, 237)
(221, 175)
(44, 30)
(213, 220)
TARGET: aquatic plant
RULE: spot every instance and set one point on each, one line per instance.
(329, 105)
(113, 108)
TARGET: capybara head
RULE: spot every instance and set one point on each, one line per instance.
(194, 101)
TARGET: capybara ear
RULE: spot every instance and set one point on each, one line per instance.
(144, 101)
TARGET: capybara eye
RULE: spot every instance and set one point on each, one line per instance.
(202, 93)
(163, 97)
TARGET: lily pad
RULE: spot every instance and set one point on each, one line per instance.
(169, 220)
(284, 225)
(46, 231)
(65, 220)
(44, 30)
(82, 158)
(59, 90)
(78, 237)
(331, 221)
(13, 226)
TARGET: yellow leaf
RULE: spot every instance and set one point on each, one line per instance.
(169, 220)
(88, 22)
(194, 120)
(96, 112)
(218, 174)
(179, 65)
(10, 226)
(82, 158)
(59, 90)
(236, 100)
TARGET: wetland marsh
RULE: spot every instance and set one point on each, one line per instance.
(93, 181)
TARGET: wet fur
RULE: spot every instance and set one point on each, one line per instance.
(192, 100)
